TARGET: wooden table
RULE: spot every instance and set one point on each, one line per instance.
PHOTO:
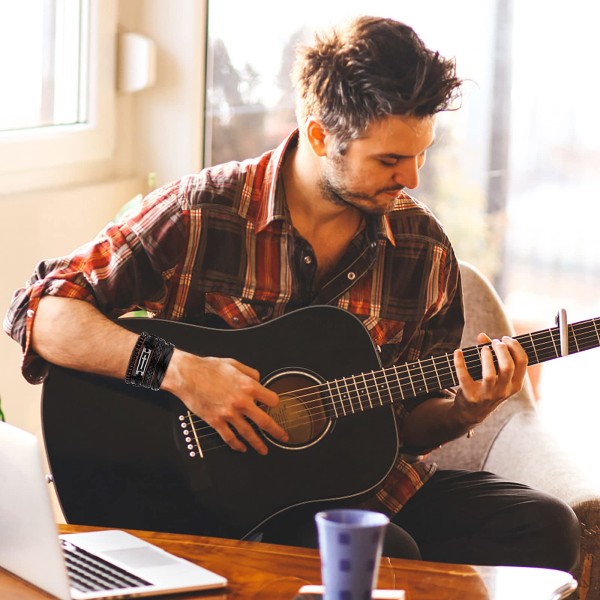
(270, 572)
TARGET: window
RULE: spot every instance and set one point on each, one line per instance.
(44, 87)
(524, 140)
(514, 174)
(57, 69)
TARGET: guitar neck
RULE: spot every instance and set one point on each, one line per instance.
(410, 380)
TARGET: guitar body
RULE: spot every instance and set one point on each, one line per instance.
(127, 457)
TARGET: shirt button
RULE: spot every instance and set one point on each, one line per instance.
(351, 276)
(30, 313)
(308, 259)
(235, 319)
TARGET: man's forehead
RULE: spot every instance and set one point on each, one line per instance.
(399, 135)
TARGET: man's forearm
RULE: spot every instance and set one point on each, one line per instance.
(435, 422)
(75, 334)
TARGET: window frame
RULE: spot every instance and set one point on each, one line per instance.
(28, 154)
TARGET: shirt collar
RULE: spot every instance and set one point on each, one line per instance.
(274, 207)
(385, 229)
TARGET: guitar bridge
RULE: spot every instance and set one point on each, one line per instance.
(190, 436)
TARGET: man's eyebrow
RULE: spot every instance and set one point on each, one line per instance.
(395, 156)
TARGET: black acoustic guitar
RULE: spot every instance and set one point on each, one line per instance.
(127, 457)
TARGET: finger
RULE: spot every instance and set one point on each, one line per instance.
(265, 396)
(263, 419)
(270, 399)
(506, 364)
(267, 423)
(245, 369)
(467, 383)
(519, 356)
(483, 338)
(489, 376)
(517, 351)
(248, 433)
(229, 437)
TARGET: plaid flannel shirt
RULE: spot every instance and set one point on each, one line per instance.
(221, 243)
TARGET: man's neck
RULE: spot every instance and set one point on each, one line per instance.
(328, 227)
(310, 211)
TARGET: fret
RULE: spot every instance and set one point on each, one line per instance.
(423, 376)
(473, 360)
(585, 335)
(451, 370)
(389, 389)
(323, 393)
(542, 347)
(574, 336)
(437, 375)
(367, 389)
(331, 397)
(412, 385)
(556, 351)
(444, 369)
(345, 397)
(378, 387)
(402, 381)
(537, 358)
(358, 394)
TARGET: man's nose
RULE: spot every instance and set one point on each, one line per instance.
(407, 173)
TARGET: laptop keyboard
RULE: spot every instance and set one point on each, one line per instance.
(89, 573)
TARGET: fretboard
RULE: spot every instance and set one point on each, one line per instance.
(373, 389)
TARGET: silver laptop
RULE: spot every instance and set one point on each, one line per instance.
(99, 564)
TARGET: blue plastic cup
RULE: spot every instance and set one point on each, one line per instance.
(350, 543)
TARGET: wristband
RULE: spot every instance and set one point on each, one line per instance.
(149, 361)
(161, 366)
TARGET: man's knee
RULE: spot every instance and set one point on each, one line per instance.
(560, 534)
(544, 532)
(398, 543)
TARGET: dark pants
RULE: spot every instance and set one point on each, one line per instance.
(462, 517)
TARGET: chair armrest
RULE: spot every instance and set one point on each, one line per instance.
(525, 451)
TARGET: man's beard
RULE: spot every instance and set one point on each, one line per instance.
(339, 195)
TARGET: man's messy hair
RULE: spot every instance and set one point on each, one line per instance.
(373, 68)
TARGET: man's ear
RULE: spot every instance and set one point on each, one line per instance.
(316, 136)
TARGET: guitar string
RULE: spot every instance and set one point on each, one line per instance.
(431, 375)
(374, 374)
(319, 401)
(439, 373)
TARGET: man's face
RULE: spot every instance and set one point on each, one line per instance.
(377, 166)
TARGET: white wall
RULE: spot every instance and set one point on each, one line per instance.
(167, 118)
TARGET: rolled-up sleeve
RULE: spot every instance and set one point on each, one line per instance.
(118, 271)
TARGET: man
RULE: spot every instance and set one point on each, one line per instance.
(323, 219)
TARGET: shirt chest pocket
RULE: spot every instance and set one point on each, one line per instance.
(238, 312)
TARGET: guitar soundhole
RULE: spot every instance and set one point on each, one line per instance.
(301, 411)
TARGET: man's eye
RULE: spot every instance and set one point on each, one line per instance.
(388, 163)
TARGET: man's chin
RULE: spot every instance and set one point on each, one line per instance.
(375, 209)
(378, 208)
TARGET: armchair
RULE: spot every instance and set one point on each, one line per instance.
(513, 442)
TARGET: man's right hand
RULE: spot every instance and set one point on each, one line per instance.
(224, 393)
